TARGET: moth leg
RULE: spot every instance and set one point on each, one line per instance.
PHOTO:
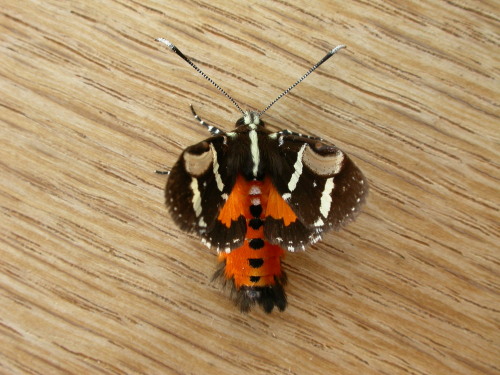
(212, 129)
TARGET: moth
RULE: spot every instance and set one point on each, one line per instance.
(253, 193)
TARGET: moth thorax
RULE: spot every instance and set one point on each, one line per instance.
(249, 118)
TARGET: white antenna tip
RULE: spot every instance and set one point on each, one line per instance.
(336, 49)
(164, 41)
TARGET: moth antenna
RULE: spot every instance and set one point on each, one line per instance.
(181, 55)
(327, 56)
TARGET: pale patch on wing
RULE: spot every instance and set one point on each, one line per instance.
(195, 164)
(324, 165)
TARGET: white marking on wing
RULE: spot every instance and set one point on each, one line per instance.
(326, 197)
(319, 223)
(202, 223)
(196, 197)
(292, 184)
(218, 179)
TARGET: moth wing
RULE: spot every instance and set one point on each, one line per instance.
(197, 189)
(321, 185)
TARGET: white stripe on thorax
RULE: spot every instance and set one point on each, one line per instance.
(254, 150)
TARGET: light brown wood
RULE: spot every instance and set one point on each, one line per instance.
(95, 277)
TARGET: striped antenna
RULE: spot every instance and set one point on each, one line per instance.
(182, 56)
(315, 66)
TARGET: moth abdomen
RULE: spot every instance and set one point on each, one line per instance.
(253, 269)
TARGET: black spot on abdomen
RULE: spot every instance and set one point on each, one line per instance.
(255, 262)
(256, 210)
(256, 243)
(255, 223)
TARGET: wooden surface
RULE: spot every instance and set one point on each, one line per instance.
(94, 276)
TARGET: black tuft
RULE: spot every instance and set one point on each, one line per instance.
(246, 297)
(266, 296)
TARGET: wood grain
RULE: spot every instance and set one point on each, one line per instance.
(96, 279)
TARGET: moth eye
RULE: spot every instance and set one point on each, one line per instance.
(323, 159)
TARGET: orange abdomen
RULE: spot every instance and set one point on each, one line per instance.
(257, 263)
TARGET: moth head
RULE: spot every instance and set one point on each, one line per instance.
(250, 118)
